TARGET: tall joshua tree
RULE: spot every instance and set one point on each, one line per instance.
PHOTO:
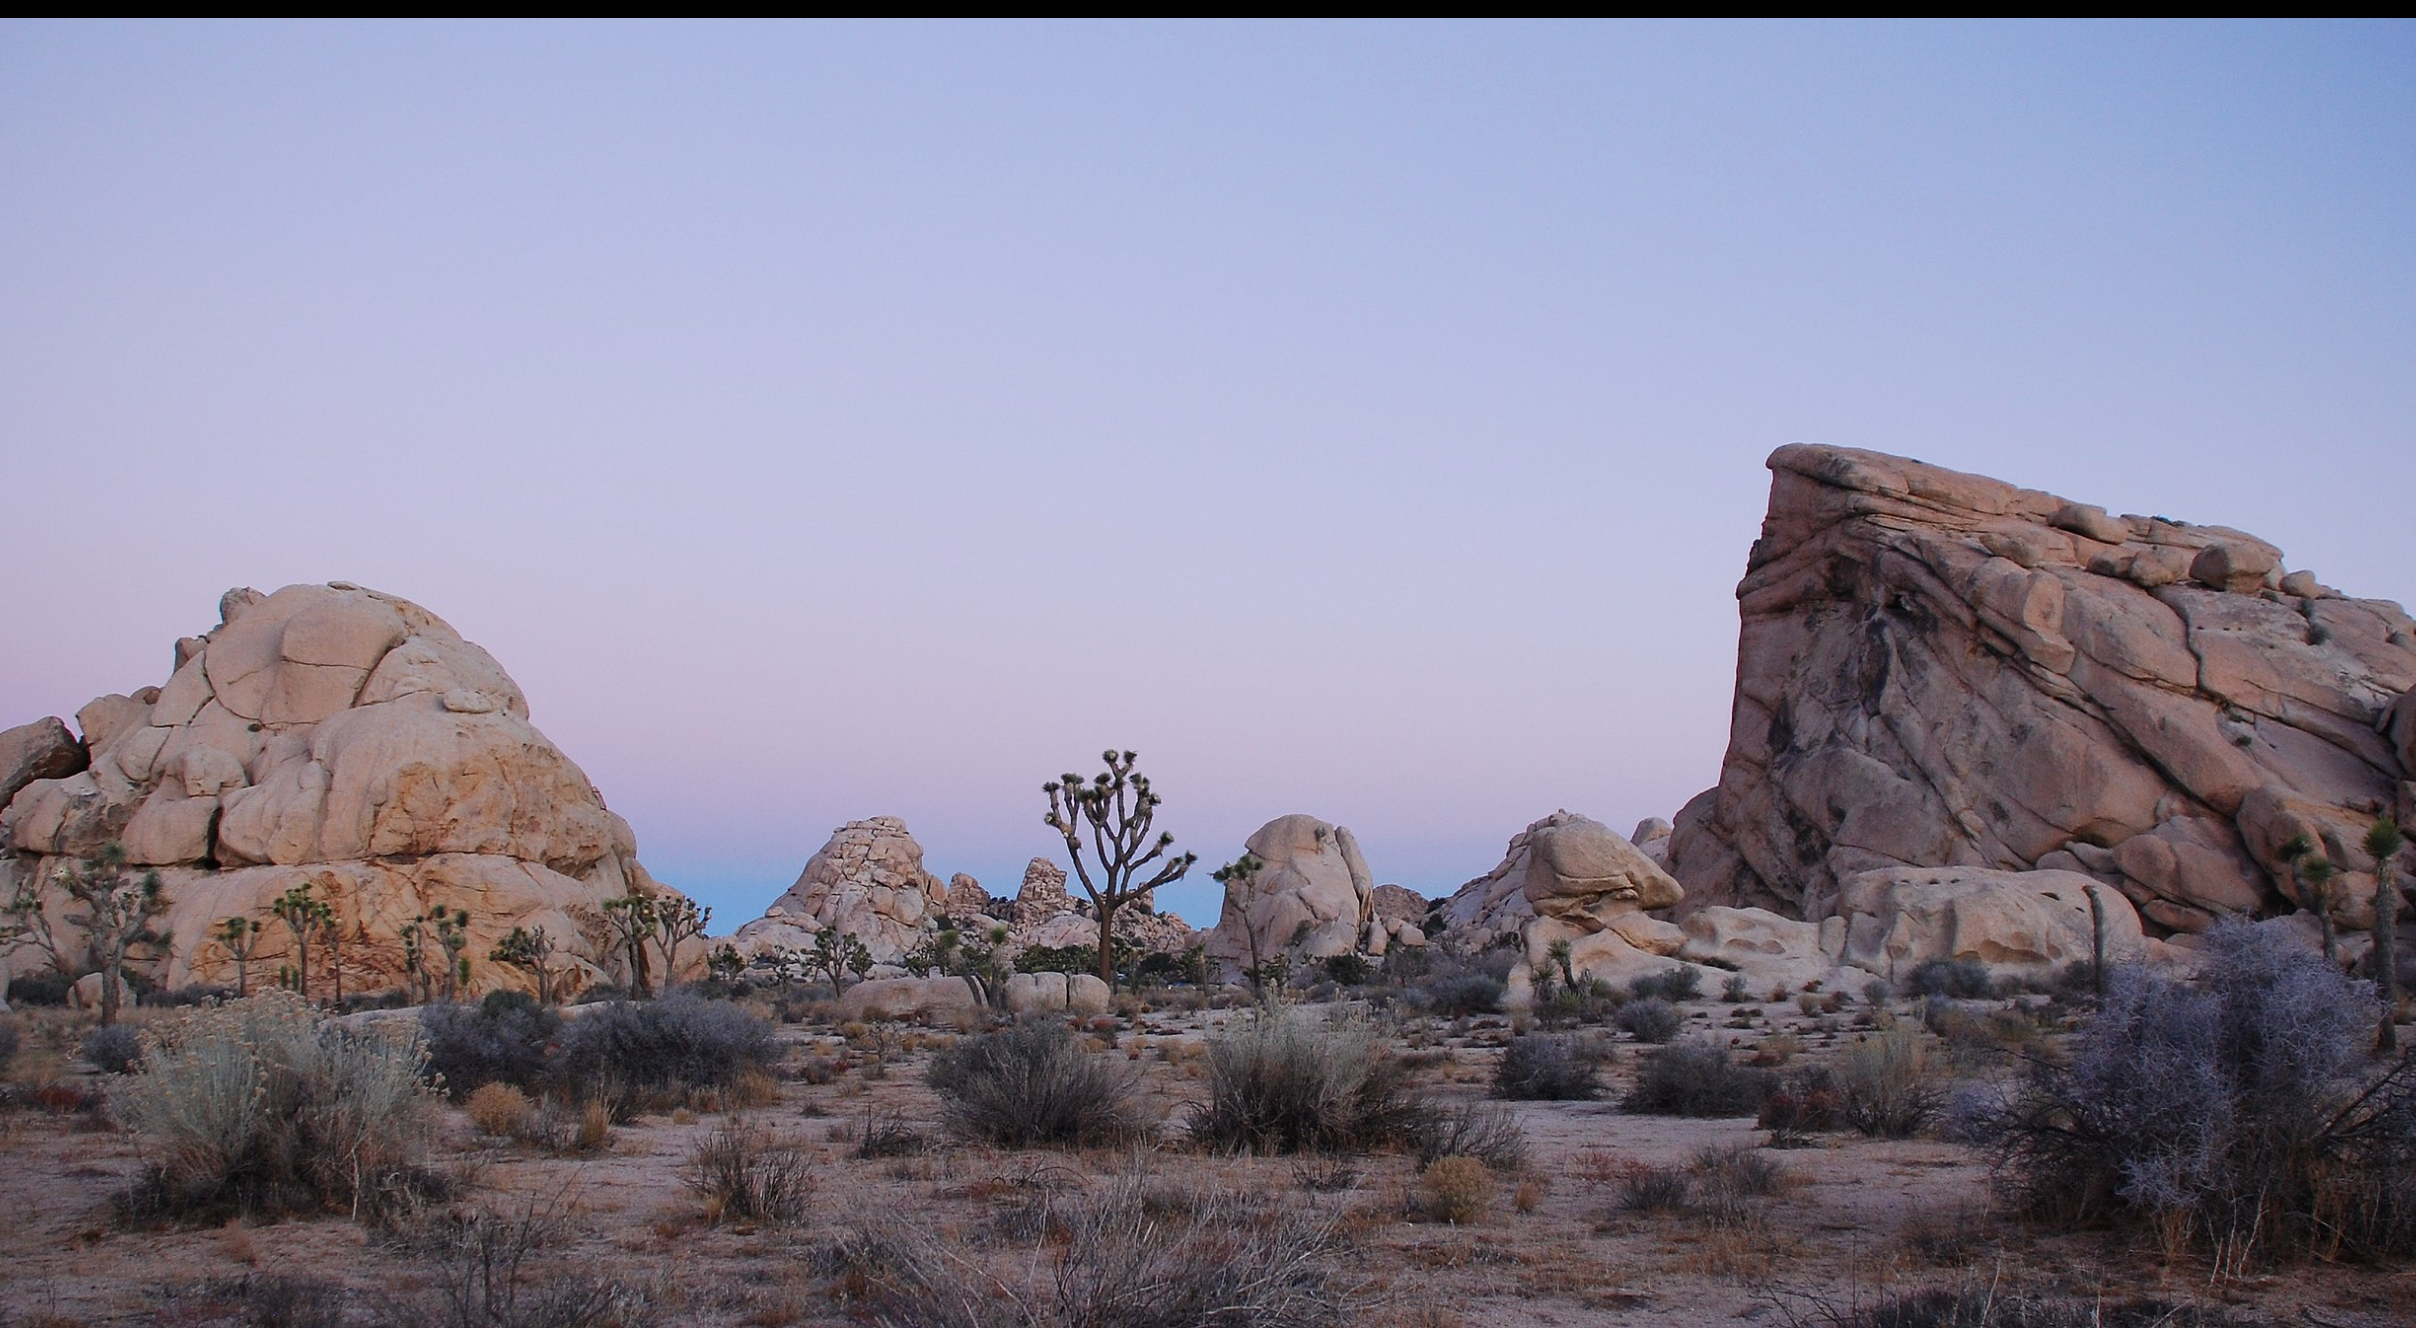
(677, 920)
(1116, 807)
(303, 914)
(532, 951)
(632, 919)
(2384, 841)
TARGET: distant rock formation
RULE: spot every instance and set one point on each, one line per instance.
(1941, 670)
(336, 737)
(868, 881)
(1571, 878)
(1314, 898)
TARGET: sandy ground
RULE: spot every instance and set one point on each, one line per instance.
(1858, 1220)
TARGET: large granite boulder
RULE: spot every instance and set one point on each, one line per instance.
(1313, 898)
(1941, 670)
(44, 749)
(351, 741)
(1570, 878)
(2019, 924)
(868, 882)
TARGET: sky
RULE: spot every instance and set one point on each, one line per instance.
(824, 421)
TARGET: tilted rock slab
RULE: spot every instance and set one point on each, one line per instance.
(1941, 670)
(351, 740)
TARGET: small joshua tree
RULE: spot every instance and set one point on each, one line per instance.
(2384, 841)
(2314, 873)
(632, 918)
(532, 951)
(726, 963)
(303, 913)
(453, 937)
(111, 905)
(1117, 807)
(677, 920)
(1560, 953)
(1237, 876)
(835, 955)
(239, 935)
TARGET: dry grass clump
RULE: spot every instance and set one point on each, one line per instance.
(1292, 1083)
(1890, 1084)
(259, 1107)
(1549, 1068)
(1457, 1190)
(1133, 1255)
(747, 1175)
(499, 1111)
(488, 1269)
(1034, 1084)
(1480, 1130)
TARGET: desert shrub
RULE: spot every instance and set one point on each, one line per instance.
(1480, 1130)
(493, 1270)
(1683, 983)
(40, 989)
(2239, 1113)
(499, 1042)
(1804, 1101)
(1696, 1079)
(1459, 995)
(1991, 1306)
(745, 1174)
(498, 1110)
(1058, 959)
(1032, 1084)
(1350, 969)
(623, 1052)
(1963, 979)
(1650, 1019)
(114, 1049)
(10, 1040)
(1289, 1083)
(1655, 1189)
(1131, 1255)
(1734, 991)
(1890, 1084)
(1588, 1000)
(1457, 1190)
(176, 998)
(257, 1106)
(1545, 1068)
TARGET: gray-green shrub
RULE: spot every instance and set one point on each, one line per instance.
(1696, 1079)
(1035, 1084)
(1890, 1084)
(261, 1107)
(1290, 1083)
(114, 1049)
(1650, 1019)
(1549, 1068)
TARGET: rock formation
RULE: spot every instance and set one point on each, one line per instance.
(1571, 878)
(1941, 670)
(340, 738)
(1042, 895)
(1313, 898)
(868, 881)
(966, 899)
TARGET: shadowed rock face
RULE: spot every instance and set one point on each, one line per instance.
(349, 740)
(1937, 669)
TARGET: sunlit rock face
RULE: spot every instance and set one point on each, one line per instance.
(1940, 670)
(333, 736)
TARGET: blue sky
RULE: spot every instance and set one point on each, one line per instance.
(823, 421)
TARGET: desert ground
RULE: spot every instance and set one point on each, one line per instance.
(616, 1232)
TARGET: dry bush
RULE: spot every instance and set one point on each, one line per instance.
(489, 1270)
(1655, 1189)
(1890, 1085)
(1133, 1255)
(1804, 1101)
(498, 1110)
(1696, 1079)
(1480, 1130)
(634, 1055)
(1992, 1307)
(744, 1174)
(1457, 1190)
(1033, 1084)
(114, 1049)
(257, 1106)
(1650, 1019)
(1290, 1083)
(1557, 1068)
(2240, 1114)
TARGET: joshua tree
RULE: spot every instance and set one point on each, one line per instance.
(835, 955)
(530, 950)
(632, 919)
(239, 935)
(332, 927)
(111, 905)
(1560, 953)
(1117, 806)
(2384, 841)
(1237, 875)
(2314, 873)
(726, 963)
(453, 937)
(303, 914)
(677, 920)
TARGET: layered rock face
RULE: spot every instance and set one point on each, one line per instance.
(1571, 878)
(341, 738)
(1941, 670)
(868, 881)
(1314, 898)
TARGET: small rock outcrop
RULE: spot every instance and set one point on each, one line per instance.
(2020, 924)
(1312, 899)
(868, 882)
(336, 737)
(1941, 670)
(966, 898)
(1571, 878)
(1042, 895)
